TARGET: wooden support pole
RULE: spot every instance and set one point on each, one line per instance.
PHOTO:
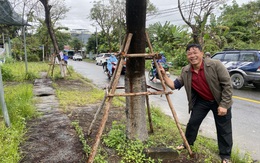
(149, 113)
(105, 117)
(170, 103)
(108, 103)
(96, 114)
(110, 93)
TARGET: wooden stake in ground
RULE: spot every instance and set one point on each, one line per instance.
(116, 75)
(170, 102)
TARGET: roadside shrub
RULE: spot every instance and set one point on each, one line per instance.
(7, 73)
(33, 58)
(9, 60)
(180, 59)
(20, 109)
(30, 76)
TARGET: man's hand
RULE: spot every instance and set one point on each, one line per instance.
(161, 69)
(222, 111)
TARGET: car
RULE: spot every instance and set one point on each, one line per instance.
(101, 58)
(242, 65)
(77, 57)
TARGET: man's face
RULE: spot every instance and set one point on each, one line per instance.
(194, 56)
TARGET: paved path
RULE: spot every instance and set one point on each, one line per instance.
(50, 137)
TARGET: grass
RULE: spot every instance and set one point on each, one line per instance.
(18, 94)
(20, 107)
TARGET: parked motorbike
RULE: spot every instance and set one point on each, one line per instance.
(114, 64)
(153, 73)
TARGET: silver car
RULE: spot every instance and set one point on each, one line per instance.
(101, 58)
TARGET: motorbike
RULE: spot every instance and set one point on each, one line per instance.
(153, 73)
(114, 64)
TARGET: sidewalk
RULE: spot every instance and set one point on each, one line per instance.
(51, 138)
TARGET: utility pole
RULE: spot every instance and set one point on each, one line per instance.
(2, 101)
(96, 42)
(25, 52)
(43, 53)
(81, 42)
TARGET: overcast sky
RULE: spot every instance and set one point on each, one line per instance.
(77, 17)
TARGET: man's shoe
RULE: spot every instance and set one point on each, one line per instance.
(225, 160)
(180, 147)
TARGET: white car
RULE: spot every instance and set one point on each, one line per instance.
(77, 57)
(101, 58)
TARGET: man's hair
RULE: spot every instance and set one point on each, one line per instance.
(194, 46)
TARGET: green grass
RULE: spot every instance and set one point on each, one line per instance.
(18, 93)
(20, 109)
(17, 71)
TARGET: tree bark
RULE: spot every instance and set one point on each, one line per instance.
(135, 73)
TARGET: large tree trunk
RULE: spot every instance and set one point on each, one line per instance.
(135, 73)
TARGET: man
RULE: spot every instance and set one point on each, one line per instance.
(112, 59)
(208, 87)
(162, 58)
(65, 58)
(61, 55)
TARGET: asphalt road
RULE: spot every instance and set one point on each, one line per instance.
(245, 110)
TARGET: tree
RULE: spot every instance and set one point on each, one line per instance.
(135, 73)
(168, 37)
(111, 19)
(195, 14)
(105, 16)
(49, 25)
(243, 24)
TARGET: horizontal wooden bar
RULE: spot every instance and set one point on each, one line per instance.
(140, 93)
(146, 55)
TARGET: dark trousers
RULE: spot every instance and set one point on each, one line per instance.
(222, 123)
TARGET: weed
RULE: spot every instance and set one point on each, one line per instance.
(86, 147)
(129, 150)
(20, 108)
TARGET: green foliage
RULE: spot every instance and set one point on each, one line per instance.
(76, 44)
(78, 97)
(33, 58)
(10, 139)
(86, 147)
(180, 58)
(116, 136)
(171, 39)
(129, 150)
(16, 71)
(9, 60)
(7, 73)
(19, 103)
(241, 20)
(20, 109)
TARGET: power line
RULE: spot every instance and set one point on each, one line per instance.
(184, 8)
